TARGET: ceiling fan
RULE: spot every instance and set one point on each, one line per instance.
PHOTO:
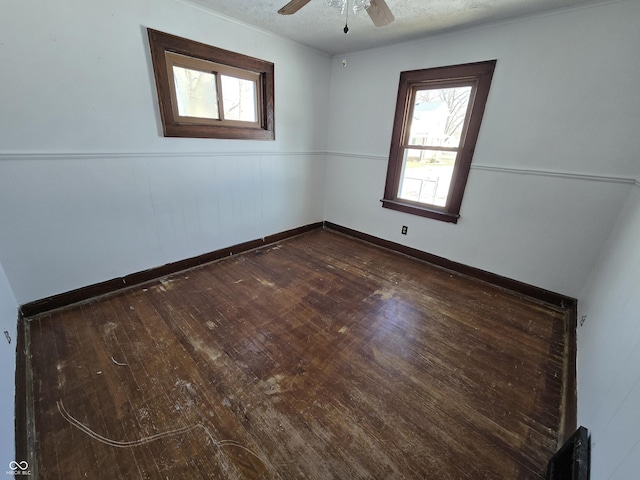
(378, 10)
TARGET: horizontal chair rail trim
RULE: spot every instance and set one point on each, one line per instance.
(102, 155)
(557, 174)
(515, 170)
(8, 156)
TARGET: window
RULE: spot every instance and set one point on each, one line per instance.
(207, 92)
(437, 121)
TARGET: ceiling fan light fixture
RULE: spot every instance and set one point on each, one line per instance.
(378, 10)
(360, 5)
(343, 5)
(340, 4)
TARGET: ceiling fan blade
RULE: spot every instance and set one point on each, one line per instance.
(292, 7)
(380, 13)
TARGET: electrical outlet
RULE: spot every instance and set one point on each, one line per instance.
(404, 229)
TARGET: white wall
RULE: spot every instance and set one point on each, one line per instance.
(609, 351)
(555, 159)
(8, 318)
(89, 187)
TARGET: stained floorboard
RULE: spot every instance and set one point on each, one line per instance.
(319, 357)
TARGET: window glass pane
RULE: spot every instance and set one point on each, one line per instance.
(196, 93)
(426, 176)
(438, 116)
(239, 99)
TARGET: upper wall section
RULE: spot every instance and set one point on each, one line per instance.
(562, 96)
(79, 78)
(556, 156)
(72, 221)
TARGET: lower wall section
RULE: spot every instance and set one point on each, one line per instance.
(8, 321)
(75, 220)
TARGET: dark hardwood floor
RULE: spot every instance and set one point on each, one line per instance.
(321, 357)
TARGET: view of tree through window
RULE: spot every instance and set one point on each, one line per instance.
(196, 93)
(239, 99)
(435, 130)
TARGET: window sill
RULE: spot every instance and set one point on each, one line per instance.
(420, 210)
(224, 132)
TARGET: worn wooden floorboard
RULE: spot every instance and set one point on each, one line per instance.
(319, 357)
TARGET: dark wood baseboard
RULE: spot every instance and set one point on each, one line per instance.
(515, 286)
(570, 397)
(24, 420)
(568, 304)
(21, 394)
(38, 307)
(84, 293)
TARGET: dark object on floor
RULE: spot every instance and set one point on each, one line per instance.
(573, 460)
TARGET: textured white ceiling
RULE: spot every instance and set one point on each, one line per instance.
(320, 26)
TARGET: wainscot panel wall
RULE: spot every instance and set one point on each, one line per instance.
(555, 159)
(8, 318)
(609, 351)
(89, 187)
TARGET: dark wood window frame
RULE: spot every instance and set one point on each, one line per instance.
(175, 125)
(478, 76)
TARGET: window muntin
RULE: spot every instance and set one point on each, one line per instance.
(204, 91)
(437, 121)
